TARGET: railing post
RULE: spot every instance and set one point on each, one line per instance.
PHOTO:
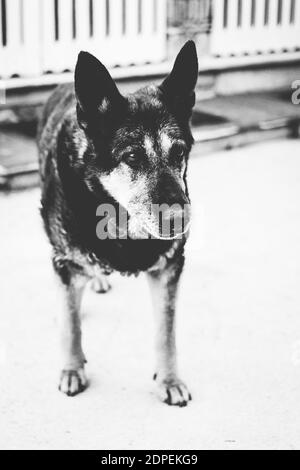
(189, 19)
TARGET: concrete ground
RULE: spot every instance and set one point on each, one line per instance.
(239, 324)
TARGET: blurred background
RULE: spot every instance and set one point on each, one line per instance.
(239, 309)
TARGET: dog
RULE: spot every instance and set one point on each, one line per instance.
(100, 149)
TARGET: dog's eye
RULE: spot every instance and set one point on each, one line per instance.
(131, 158)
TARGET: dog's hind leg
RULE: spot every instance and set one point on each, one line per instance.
(164, 287)
(72, 379)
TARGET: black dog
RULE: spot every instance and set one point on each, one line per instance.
(99, 149)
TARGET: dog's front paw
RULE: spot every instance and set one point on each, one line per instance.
(173, 391)
(72, 382)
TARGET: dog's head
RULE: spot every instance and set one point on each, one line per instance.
(140, 143)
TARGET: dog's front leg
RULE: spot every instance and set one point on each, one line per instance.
(164, 287)
(72, 380)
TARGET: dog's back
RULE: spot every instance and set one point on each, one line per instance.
(54, 114)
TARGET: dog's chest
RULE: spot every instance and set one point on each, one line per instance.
(93, 267)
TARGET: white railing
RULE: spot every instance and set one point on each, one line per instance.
(40, 36)
(246, 27)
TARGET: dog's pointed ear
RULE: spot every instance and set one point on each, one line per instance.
(95, 89)
(179, 86)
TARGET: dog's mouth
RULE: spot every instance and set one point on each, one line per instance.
(159, 227)
(172, 235)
